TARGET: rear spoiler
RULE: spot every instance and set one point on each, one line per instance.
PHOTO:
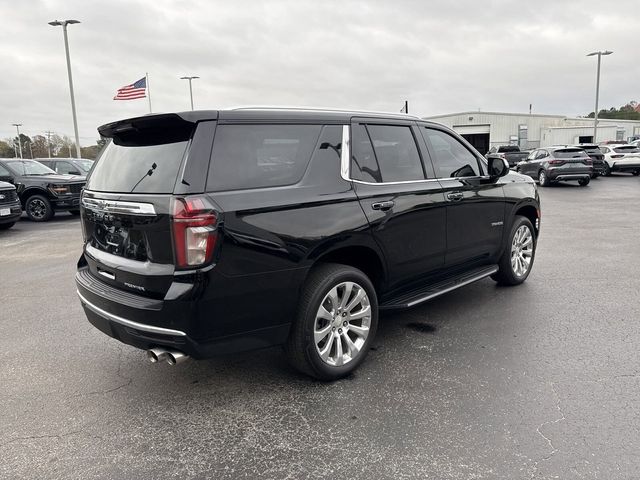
(155, 129)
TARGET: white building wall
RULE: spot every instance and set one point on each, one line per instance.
(503, 126)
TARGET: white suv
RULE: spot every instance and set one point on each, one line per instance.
(621, 158)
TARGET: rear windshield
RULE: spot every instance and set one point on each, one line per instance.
(570, 153)
(508, 149)
(627, 149)
(255, 156)
(592, 149)
(137, 169)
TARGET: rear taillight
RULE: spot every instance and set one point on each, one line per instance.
(193, 223)
(556, 162)
(617, 156)
(587, 161)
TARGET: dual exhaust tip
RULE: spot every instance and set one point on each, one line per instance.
(172, 357)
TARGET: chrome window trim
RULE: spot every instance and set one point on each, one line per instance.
(119, 206)
(345, 153)
(129, 323)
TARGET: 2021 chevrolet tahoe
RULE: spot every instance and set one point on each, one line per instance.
(210, 232)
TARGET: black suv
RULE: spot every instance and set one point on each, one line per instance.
(41, 190)
(233, 230)
(10, 209)
(558, 164)
(597, 158)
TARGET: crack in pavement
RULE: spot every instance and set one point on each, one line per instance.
(38, 437)
(562, 417)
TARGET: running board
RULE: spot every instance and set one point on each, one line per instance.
(415, 297)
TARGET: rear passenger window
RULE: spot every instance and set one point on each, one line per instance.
(385, 153)
(450, 157)
(255, 156)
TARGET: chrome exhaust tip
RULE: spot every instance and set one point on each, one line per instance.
(173, 357)
(156, 355)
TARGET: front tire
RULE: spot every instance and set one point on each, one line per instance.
(38, 208)
(517, 259)
(336, 322)
(74, 212)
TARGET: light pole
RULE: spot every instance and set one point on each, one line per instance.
(190, 89)
(63, 24)
(18, 125)
(595, 117)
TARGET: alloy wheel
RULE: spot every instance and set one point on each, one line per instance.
(342, 324)
(37, 208)
(521, 251)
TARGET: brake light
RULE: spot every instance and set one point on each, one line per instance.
(587, 161)
(617, 156)
(194, 231)
(556, 162)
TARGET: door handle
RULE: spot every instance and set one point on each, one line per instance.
(455, 196)
(384, 206)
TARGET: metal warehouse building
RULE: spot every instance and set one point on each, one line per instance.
(486, 129)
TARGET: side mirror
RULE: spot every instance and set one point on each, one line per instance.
(74, 172)
(498, 167)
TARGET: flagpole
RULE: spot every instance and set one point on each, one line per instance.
(148, 91)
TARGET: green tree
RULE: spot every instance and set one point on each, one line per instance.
(626, 112)
(6, 149)
(39, 146)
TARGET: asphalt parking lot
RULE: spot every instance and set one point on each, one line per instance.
(537, 381)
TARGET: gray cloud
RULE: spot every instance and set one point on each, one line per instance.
(442, 56)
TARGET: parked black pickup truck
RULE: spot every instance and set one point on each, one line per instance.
(10, 209)
(511, 153)
(41, 190)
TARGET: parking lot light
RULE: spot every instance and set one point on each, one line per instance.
(190, 89)
(63, 24)
(595, 117)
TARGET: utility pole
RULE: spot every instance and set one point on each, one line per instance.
(49, 132)
(18, 125)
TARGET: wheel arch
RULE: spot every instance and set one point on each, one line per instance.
(362, 257)
(530, 211)
(31, 191)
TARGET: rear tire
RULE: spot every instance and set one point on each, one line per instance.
(584, 182)
(520, 248)
(74, 212)
(636, 173)
(38, 208)
(543, 179)
(6, 226)
(607, 170)
(327, 339)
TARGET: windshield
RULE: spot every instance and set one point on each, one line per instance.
(29, 167)
(84, 165)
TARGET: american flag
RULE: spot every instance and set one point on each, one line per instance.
(135, 90)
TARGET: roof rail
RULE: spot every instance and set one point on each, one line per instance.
(320, 109)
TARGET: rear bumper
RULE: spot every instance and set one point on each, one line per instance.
(15, 211)
(146, 323)
(560, 176)
(628, 166)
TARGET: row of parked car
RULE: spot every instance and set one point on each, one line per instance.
(40, 187)
(580, 162)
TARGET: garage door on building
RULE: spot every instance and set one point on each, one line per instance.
(476, 135)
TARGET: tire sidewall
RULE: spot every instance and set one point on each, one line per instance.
(308, 317)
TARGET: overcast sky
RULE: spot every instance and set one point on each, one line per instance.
(441, 56)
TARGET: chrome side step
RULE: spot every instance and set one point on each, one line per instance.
(429, 292)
